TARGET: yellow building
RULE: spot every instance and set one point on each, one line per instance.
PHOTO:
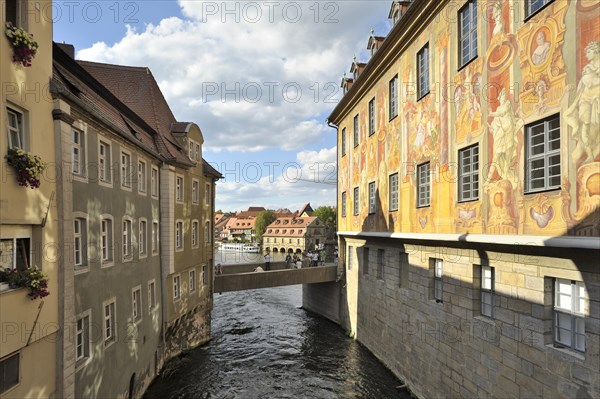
(30, 360)
(469, 191)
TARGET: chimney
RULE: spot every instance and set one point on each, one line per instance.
(67, 48)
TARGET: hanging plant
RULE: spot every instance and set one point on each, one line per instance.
(32, 278)
(29, 167)
(23, 45)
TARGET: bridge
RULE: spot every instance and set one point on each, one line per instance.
(243, 277)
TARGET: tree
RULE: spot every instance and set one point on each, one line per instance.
(263, 219)
(327, 215)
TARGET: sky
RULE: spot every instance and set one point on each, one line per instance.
(259, 78)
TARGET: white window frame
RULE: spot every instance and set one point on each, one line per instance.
(569, 314)
(192, 280)
(372, 199)
(423, 72)
(155, 237)
(143, 238)
(207, 194)
(18, 131)
(546, 156)
(356, 201)
(344, 206)
(195, 233)
(78, 153)
(207, 232)
(468, 173)
(343, 142)
(179, 235)
(127, 237)
(191, 149)
(154, 181)
(438, 282)
(152, 303)
(423, 185)
(467, 33)
(179, 188)
(109, 325)
(125, 167)
(204, 276)
(136, 304)
(195, 191)
(142, 176)
(487, 290)
(176, 287)
(107, 251)
(198, 157)
(393, 197)
(104, 162)
(393, 97)
(83, 338)
(372, 127)
(80, 240)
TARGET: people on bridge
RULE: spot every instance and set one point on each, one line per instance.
(267, 261)
(288, 259)
(218, 269)
(259, 269)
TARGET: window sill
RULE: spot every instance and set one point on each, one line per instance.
(143, 256)
(466, 64)
(423, 206)
(104, 183)
(393, 117)
(467, 200)
(142, 193)
(107, 264)
(109, 343)
(179, 249)
(81, 363)
(81, 269)
(544, 190)
(536, 12)
(568, 352)
(80, 178)
(422, 96)
(126, 188)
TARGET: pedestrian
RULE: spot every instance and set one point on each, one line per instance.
(288, 259)
(315, 259)
(218, 269)
(267, 261)
(322, 257)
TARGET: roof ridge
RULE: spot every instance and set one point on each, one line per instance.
(112, 66)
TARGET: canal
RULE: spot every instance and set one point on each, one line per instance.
(265, 346)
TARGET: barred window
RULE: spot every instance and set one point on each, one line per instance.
(569, 320)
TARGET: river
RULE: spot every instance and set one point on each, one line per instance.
(266, 346)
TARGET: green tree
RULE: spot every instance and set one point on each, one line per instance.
(263, 219)
(327, 215)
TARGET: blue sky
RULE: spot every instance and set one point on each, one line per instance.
(259, 78)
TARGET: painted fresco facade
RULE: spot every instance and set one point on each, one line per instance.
(452, 175)
(28, 216)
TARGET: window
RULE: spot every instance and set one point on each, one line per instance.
(344, 204)
(569, 320)
(16, 131)
(372, 204)
(176, 287)
(154, 181)
(82, 337)
(9, 372)
(487, 291)
(127, 231)
(197, 151)
(350, 257)
(104, 161)
(542, 155)
(142, 244)
(14, 15)
(125, 170)
(15, 252)
(355, 201)
(438, 272)
(80, 241)
(191, 150)
(179, 235)
(380, 254)
(207, 233)
(393, 192)
(195, 232)
(106, 234)
(179, 189)
(365, 260)
(372, 117)
(192, 280)
(204, 276)
(195, 191)
(142, 177)
(467, 32)
(532, 6)
(207, 197)
(468, 173)
(393, 101)
(356, 138)
(136, 304)
(343, 141)
(423, 71)
(78, 153)
(110, 328)
(423, 185)
(151, 295)
(154, 238)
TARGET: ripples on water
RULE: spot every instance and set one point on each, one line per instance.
(265, 346)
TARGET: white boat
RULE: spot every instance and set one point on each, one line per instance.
(252, 248)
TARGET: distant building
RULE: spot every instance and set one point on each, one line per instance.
(294, 235)
(306, 211)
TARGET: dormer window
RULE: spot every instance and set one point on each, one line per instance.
(396, 17)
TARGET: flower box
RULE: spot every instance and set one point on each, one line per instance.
(23, 45)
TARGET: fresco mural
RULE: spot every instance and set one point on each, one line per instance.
(525, 72)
